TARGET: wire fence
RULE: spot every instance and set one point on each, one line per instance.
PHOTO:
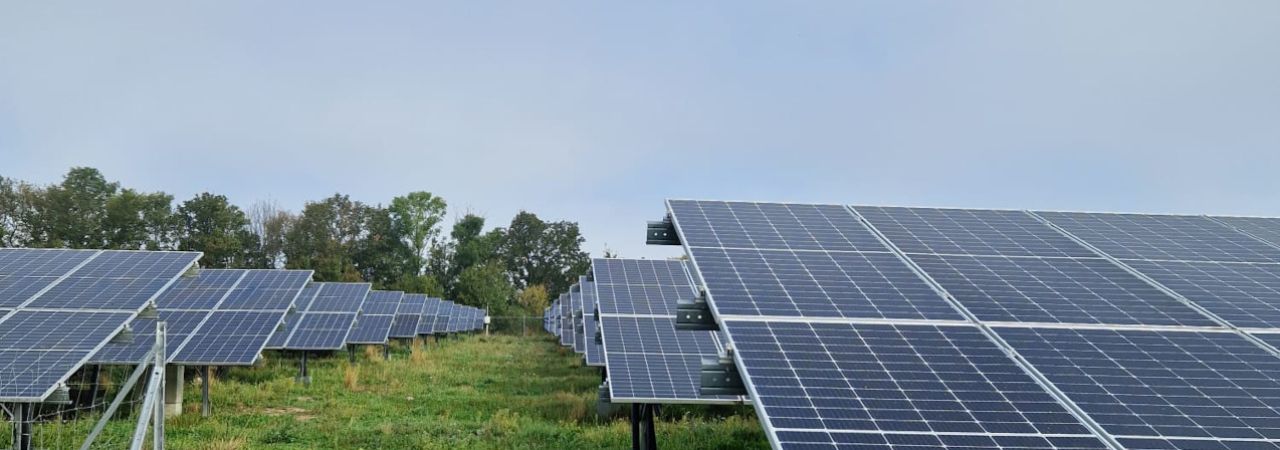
(66, 424)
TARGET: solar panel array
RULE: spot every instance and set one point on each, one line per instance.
(326, 314)
(408, 316)
(379, 313)
(218, 317)
(880, 327)
(59, 307)
(646, 359)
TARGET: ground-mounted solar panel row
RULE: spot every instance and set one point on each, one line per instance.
(63, 309)
(889, 327)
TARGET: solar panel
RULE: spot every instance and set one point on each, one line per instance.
(233, 337)
(1055, 290)
(1245, 295)
(408, 316)
(1265, 228)
(1164, 237)
(371, 329)
(1162, 384)
(429, 310)
(195, 302)
(840, 348)
(566, 321)
(970, 232)
(847, 378)
(379, 311)
(62, 306)
(646, 359)
(775, 226)
(594, 350)
(576, 306)
(335, 307)
(443, 314)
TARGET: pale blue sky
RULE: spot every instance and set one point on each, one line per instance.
(596, 111)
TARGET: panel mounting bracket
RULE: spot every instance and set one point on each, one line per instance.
(604, 404)
(720, 376)
(662, 232)
(694, 314)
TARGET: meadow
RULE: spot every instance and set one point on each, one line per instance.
(463, 392)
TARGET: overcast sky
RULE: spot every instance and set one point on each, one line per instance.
(596, 111)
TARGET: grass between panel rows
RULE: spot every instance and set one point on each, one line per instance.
(470, 392)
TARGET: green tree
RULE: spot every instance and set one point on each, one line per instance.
(211, 224)
(469, 246)
(73, 212)
(546, 253)
(9, 205)
(140, 221)
(485, 286)
(381, 256)
(534, 299)
(417, 217)
(323, 238)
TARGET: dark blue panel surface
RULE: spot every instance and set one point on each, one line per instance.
(817, 284)
(116, 279)
(382, 302)
(267, 290)
(229, 338)
(1246, 295)
(1184, 238)
(341, 297)
(371, 329)
(1161, 384)
(1265, 228)
(24, 272)
(771, 226)
(970, 232)
(1062, 290)
(202, 291)
(647, 358)
(322, 331)
(27, 374)
(59, 330)
(812, 440)
(891, 378)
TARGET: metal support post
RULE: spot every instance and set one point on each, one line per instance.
(304, 375)
(386, 352)
(23, 415)
(351, 354)
(157, 439)
(205, 379)
(650, 434)
(635, 426)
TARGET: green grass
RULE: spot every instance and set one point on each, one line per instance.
(471, 392)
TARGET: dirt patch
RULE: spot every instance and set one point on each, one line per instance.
(297, 413)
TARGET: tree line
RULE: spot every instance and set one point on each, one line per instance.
(401, 246)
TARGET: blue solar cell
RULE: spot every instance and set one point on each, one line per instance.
(371, 329)
(382, 302)
(322, 331)
(659, 272)
(1164, 237)
(1246, 295)
(341, 297)
(203, 291)
(229, 338)
(27, 374)
(1264, 228)
(267, 290)
(970, 232)
(1062, 290)
(814, 440)
(891, 378)
(178, 325)
(771, 226)
(25, 272)
(429, 311)
(1168, 384)
(60, 330)
(817, 284)
(408, 316)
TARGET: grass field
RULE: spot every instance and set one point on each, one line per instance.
(466, 392)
